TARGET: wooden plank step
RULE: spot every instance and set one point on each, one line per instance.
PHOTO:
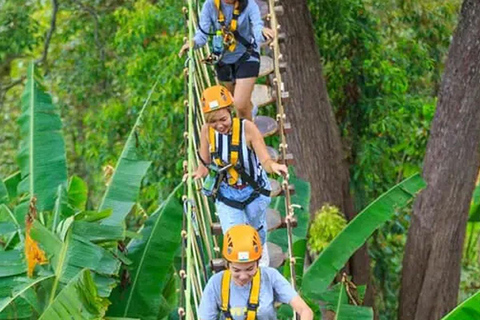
(262, 95)
(273, 153)
(277, 257)
(274, 219)
(291, 188)
(266, 66)
(218, 265)
(216, 228)
(267, 126)
(276, 188)
(289, 159)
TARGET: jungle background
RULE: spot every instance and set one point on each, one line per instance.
(382, 63)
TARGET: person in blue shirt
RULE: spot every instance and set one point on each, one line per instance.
(246, 291)
(239, 22)
(236, 146)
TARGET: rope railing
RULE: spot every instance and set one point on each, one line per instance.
(200, 245)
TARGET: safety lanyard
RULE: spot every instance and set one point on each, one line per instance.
(253, 299)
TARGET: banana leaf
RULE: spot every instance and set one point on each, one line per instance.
(42, 157)
(469, 309)
(19, 299)
(12, 263)
(21, 287)
(474, 214)
(4, 197)
(122, 190)
(8, 218)
(321, 273)
(77, 300)
(11, 183)
(345, 311)
(77, 193)
(152, 257)
(68, 257)
(300, 198)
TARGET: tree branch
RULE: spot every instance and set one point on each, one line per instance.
(12, 84)
(92, 12)
(53, 22)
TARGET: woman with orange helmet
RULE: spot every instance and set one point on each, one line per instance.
(237, 31)
(232, 150)
(245, 290)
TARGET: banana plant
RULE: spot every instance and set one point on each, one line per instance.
(345, 311)
(322, 272)
(469, 309)
(122, 190)
(42, 156)
(152, 257)
(301, 201)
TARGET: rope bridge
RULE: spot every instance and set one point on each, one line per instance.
(201, 255)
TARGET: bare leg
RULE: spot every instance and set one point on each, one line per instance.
(242, 96)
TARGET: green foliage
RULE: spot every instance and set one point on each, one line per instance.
(17, 31)
(129, 172)
(77, 300)
(345, 311)
(42, 153)
(321, 273)
(326, 225)
(152, 258)
(467, 310)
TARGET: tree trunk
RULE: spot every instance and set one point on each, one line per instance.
(431, 266)
(315, 140)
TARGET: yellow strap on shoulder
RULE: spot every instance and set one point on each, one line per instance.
(236, 13)
(221, 17)
(254, 296)
(212, 142)
(226, 292)
(234, 151)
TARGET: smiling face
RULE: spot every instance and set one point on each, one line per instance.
(220, 120)
(243, 272)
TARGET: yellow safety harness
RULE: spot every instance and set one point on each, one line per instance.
(234, 151)
(234, 168)
(253, 300)
(228, 33)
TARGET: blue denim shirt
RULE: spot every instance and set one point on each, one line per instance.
(250, 27)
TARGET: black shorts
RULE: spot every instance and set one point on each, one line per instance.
(230, 72)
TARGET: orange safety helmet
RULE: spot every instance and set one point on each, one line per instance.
(242, 243)
(215, 98)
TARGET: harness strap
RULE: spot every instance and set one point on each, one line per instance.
(253, 300)
(234, 150)
(240, 205)
(226, 294)
(233, 24)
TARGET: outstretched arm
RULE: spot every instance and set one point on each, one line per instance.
(255, 139)
(301, 308)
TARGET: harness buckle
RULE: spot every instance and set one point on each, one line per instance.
(252, 306)
(228, 38)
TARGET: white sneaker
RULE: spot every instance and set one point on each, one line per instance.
(254, 112)
(265, 259)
